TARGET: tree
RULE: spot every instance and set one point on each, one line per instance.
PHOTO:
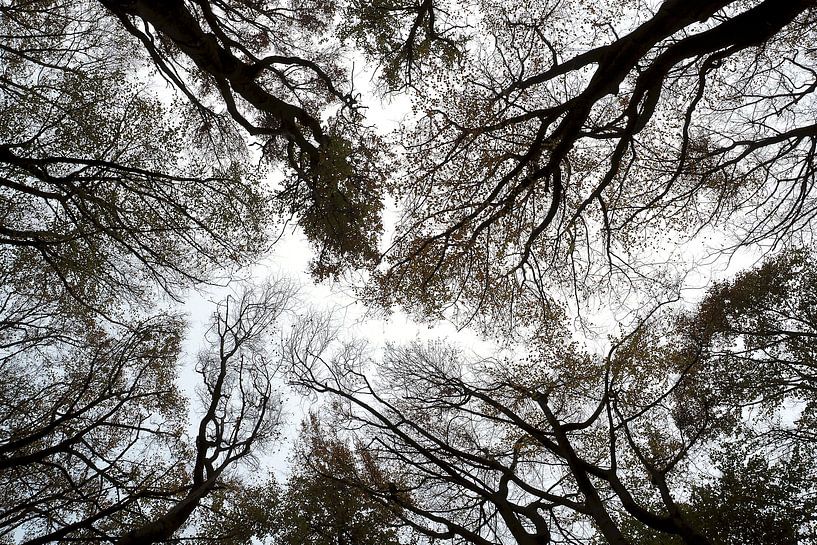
(106, 183)
(241, 411)
(105, 190)
(564, 445)
(529, 165)
(93, 445)
(265, 64)
(556, 151)
(754, 501)
(110, 196)
(573, 144)
(80, 420)
(318, 507)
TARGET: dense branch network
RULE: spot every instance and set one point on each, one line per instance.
(94, 443)
(567, 447)
(532, 167)
(553, 145)
(278, 89)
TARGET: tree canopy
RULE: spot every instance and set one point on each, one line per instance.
(565, 167)
(577, 144)
(569, 446)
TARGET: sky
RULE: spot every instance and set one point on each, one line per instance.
(290, 256)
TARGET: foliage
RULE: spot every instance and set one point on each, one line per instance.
(104, 193)
(316, 506)
(577, 146)
(93, 433)
(545, 448)
(431, 40)
(269, 65)
(557, 151)
(753, 501)
(240, 513)
(319, 508)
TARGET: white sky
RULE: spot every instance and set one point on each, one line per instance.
(290, 257)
